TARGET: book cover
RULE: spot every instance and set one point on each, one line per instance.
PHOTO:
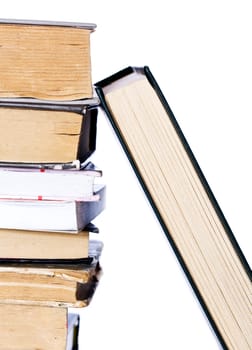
(73, 325)
(182, 201)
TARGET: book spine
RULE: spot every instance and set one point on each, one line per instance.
(87, 140)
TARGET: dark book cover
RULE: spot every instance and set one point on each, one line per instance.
(73, 326)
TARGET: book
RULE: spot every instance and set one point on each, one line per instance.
(45, 59)
(34, 245)
(182, 201)
(49, 285)
(41, 183)
(74, 258)
(35, 327)
(35, 132)
(51, 215)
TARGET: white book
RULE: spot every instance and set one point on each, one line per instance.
(41, 183)
(51, 215)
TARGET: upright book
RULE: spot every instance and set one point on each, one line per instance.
(46, 60)
(35, 327)
(182, 201)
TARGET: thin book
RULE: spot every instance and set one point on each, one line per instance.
(70, 215)
(20, 182)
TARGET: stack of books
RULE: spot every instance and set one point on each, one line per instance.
(50, 191)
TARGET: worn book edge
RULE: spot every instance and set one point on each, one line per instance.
(89, 26)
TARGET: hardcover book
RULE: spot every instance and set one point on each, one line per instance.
(38, 132)
(48, 285)
(46, 60)
(35, 327)
(182, 201)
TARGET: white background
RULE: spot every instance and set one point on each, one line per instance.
(200, 54)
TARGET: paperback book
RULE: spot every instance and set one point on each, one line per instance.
(52, 215)
(19, 182)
